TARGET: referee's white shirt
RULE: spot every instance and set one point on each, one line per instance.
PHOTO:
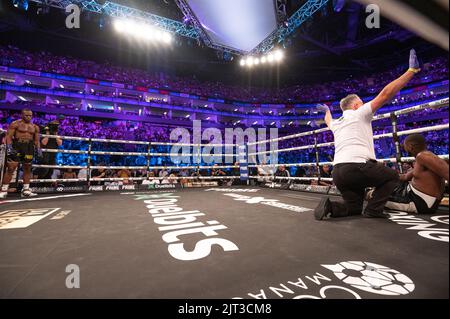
(353, 136)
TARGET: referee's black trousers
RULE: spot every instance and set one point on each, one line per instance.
(352, 179)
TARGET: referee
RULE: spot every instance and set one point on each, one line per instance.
(355, 164)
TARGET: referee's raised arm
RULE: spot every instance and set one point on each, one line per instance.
(393, 88)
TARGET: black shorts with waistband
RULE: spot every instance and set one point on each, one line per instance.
(403, 194)
(24, 151)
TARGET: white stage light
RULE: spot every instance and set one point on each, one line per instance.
(263, 60)
(167, 37)
(146, 32)
(256, 62)
(278, 55)
(243, 62)
(249, 61)
(119, 25)
(158, 35)
(270, 57)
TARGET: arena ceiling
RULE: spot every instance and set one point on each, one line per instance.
(237, 24)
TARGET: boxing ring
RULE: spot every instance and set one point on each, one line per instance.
(209, 242)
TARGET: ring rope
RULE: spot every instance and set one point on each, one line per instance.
(102, 140)
(293, 178)
(385, 135)
(384, 160)
(435, 104)
(132, 167)
(74, 180)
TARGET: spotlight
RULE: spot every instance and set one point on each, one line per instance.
(278, 55)
(243, 62)
(167, 37)
(256, 62)
(158, 35)
(263, 60)
(131, 28)
(119, 25)
(249, 61)
(270, 57)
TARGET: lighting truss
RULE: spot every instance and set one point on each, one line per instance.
(297, 19)
(119, 11)
(280, 7)
(190, 16)
(186, 9)
(196, 32)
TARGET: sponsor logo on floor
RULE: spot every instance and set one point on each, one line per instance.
(268, 202)
(423, 227)
(61, 215)
(176, 223)
(362, 276)
(23, 218)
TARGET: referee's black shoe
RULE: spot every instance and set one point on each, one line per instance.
(375, 215)
(323, 210)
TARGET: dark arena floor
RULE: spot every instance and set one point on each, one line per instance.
(214, 244)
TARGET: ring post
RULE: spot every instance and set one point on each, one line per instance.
(243, 162)
(2, 160)
(149, 150)
(398, 152)
(316, 149)
(88, 174)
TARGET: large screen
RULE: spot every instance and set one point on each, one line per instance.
(239, 24)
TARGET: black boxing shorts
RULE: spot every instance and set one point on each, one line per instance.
(24, 151)
(406, 198)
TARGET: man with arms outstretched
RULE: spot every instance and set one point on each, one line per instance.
(355, 164)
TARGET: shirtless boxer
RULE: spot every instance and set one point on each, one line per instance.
(22, 140)
(421, 189)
